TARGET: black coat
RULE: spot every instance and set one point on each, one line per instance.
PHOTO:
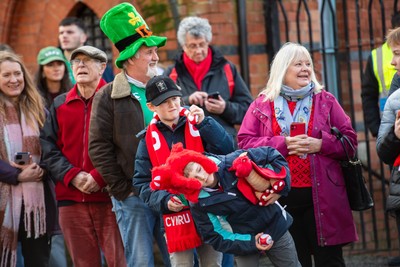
(215, 80)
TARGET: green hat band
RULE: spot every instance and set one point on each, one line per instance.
(142, 32)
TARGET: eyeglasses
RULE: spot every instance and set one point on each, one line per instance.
(195, 46)
(85, 61)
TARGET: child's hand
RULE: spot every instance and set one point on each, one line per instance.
(175, 204)
(196, 113)
(268, 198)
(262, 247)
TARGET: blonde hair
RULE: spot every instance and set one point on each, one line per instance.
(393, 37)
(30, 101)
(288, 53)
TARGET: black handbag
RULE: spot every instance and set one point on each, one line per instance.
(357, 192)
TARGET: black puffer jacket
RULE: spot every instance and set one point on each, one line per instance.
(215, 80)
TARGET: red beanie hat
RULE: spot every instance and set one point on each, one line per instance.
(170, 175)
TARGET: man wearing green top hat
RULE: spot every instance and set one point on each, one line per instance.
(119, 113)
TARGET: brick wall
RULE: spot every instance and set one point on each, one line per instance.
(31, 25)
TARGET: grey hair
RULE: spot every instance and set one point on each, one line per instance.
(195, 26)
(125, 63)
(288, 53)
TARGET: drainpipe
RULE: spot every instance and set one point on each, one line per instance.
(243, 44)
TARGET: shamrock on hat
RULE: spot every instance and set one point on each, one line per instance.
(128, 31)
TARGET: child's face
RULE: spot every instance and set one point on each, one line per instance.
(168, 111)
(197, 171)
(396, 57)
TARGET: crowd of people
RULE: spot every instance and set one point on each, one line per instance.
(188, 160)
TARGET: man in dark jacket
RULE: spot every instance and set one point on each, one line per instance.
(85, 210)
(201, 70)
(119, 113)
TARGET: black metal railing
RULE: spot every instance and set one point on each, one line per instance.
(335, 51)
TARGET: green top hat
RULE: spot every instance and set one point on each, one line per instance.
(128, 31)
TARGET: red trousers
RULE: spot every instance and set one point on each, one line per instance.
(89, 228)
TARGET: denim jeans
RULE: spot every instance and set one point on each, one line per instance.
(137, 224)
(58, 256)
(282, 254)
(88, 229)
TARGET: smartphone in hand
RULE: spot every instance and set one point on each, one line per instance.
(297, 128)
(22, 158)
(214, 95)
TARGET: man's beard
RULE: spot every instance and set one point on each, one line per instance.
(151, 71)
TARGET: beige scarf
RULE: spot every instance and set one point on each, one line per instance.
(19, 136)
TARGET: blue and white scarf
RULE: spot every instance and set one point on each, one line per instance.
(302, 111)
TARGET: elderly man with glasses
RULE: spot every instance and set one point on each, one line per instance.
(85, 209)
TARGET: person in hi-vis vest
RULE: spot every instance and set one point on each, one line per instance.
(376, 82)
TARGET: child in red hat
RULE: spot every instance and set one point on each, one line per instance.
(171, 124)
(211, 185)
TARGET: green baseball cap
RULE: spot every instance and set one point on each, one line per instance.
(50, 54)
(126, 28)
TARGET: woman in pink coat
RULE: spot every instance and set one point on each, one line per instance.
(294, 114)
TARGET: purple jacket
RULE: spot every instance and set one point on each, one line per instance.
(333, 215)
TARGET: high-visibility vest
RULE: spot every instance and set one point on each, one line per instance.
(383, 70)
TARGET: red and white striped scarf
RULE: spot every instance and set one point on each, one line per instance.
(18, 136)
(157, 145)
(181, 236)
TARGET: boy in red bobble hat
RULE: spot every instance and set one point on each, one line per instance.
(173, 123)
(210, 183)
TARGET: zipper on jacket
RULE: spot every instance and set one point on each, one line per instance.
(85, 146)
(84, 133)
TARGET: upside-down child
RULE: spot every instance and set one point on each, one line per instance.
(217, 186)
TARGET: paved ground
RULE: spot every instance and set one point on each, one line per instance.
(351, 261)
(363, 260)
(367, 259)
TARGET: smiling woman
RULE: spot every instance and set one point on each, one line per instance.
(22, 115)
(293, 95)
